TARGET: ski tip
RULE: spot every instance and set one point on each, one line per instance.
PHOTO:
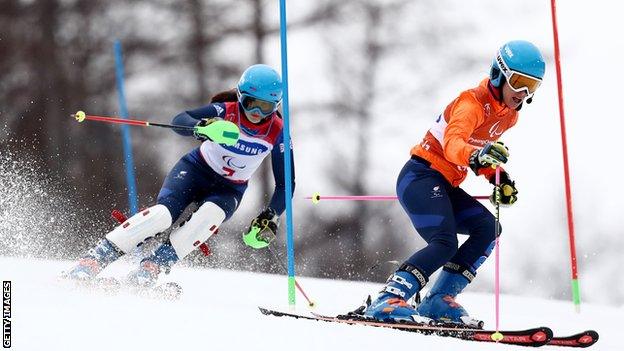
(581, 340)
(271, 312)
(265, 311)
(541, 336)
(588, 338)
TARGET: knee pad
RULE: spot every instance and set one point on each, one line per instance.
(139, 227)
(202, 224)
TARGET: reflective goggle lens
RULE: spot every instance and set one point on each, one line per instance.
(266, 107)
(518, 82)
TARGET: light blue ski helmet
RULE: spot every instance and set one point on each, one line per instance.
(519, 56)
(260, 82)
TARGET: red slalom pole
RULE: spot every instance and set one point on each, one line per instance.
(576, 293)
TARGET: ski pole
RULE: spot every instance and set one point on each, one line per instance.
(281, 264)
(316, 198)
(497, 336)
(81, 116)
(220, 131)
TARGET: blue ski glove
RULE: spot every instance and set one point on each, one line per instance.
(508, 192)
(262, 229)
(492, 155)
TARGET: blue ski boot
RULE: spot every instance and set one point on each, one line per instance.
(149, 269)
(391, 304)
(90, 265)
(440, 304)
(145, 276)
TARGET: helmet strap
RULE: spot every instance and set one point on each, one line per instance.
(497, 92)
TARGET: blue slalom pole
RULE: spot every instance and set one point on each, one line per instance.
(125, 130)
(290, 246)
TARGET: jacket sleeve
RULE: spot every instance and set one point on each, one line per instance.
(278, 200)
(463, 118)
(191, 117)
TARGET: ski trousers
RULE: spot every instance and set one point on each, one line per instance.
(439, 212)
(192, 180)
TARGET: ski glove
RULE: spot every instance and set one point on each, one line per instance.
(492, 155)
(508, 192)
(201, 128)
(262, 229)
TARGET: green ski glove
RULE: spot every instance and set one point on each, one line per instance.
(216, 130)
(262, 229)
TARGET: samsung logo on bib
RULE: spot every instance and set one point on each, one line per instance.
(247, 148)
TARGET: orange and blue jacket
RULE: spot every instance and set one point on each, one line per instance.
(473, 119)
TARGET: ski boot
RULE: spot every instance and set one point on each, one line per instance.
(149, 269)
(145, 276)
(440, 304)
(89, 266)
(391, 303)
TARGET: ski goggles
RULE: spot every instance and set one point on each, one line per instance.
(518, 81)
(252, 104)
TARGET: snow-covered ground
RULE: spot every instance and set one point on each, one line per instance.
(218, 311)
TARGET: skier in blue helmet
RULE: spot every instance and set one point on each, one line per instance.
(259, 92)
(520, 64)
(212, 176)
(464, 137)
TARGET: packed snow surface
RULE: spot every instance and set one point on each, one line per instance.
(219, 311)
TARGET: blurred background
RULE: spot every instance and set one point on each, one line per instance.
(367, 79)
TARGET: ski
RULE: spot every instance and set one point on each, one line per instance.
(583, 339)
(533, 337)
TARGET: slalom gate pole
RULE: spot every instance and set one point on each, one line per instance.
(281, 264)
(127, 139)
(316, 198)
(290, 246)
(576, 293)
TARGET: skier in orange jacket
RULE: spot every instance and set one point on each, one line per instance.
(465, 136)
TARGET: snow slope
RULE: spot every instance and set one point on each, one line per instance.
(218, 311)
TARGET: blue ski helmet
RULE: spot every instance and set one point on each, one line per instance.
(260, 90)
(519, 56)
